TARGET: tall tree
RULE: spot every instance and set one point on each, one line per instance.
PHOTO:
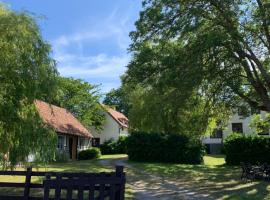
(171, 97)
(118, 98)
(216, 52)
(82, 99)
(224, 44)
(27, 72)
(166, 112)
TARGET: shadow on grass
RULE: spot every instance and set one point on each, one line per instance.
(219, 182)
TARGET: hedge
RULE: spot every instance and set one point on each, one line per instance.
(158, 147)
(249, 149)
(114, 147)
(89, 154)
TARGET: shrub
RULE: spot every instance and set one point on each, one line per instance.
(157, 147)
(121, 145)
(250, 149)
(89, 154)
(108, 147)
(114, 147)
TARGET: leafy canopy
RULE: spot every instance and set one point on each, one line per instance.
(117, 98)
(82, 99)
(214, 50)
(27, 72)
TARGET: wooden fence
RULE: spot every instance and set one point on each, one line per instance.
(68, 186)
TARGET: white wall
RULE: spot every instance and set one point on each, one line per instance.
(238, 119)
(228, 130)
(208, 140)
(111, 130)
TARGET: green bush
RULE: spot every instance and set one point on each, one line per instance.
(89, 154)
(114, 147)
(250, 149)
(121, 145)
(108, 147)
(157, 147)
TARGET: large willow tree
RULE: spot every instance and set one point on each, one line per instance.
(216, 49)
(27, 72)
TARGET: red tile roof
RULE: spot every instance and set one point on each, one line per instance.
(61, 120)
(120, 118)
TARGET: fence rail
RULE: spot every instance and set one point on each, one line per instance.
(98, 185)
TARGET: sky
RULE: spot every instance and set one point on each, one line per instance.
(89, 38)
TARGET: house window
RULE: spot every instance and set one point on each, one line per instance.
(96, 142)
(60, 142)
(237, 127)
(217, 133)
(81, 143)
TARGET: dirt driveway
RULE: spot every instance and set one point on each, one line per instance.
(146, 186)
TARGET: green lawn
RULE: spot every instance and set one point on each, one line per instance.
(214, 160)
(214, 178)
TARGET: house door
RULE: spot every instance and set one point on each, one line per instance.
(70, 144)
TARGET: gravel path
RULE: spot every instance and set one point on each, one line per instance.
(147, 186)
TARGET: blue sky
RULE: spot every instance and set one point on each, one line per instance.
(89, 38)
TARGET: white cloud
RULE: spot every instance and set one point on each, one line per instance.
(102, 67)
(90, 67)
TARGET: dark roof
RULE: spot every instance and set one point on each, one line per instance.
(61, 120)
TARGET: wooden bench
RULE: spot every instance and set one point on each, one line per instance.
(68, 186)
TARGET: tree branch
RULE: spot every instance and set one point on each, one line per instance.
(251, 102)
(264, 24)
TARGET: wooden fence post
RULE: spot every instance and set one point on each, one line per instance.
(46, 194)
(27, 183)
(119, 171)
(58, 188)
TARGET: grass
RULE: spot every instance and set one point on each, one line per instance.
(114, 156)
(213, 178)
(214, 160)
(72, 166)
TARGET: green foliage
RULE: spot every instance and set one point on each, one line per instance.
(108, 147)
(250, 149)
(156, 147)
(61, 156)
(121, 145)
(118, 98)
(27, 72)
(259, 124)
(89, 154)
(169, 110)
(216, 52)
(114, 147)
(82, 99)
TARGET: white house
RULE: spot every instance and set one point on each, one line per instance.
(72, 135)
(115, 125)
(236, 123)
